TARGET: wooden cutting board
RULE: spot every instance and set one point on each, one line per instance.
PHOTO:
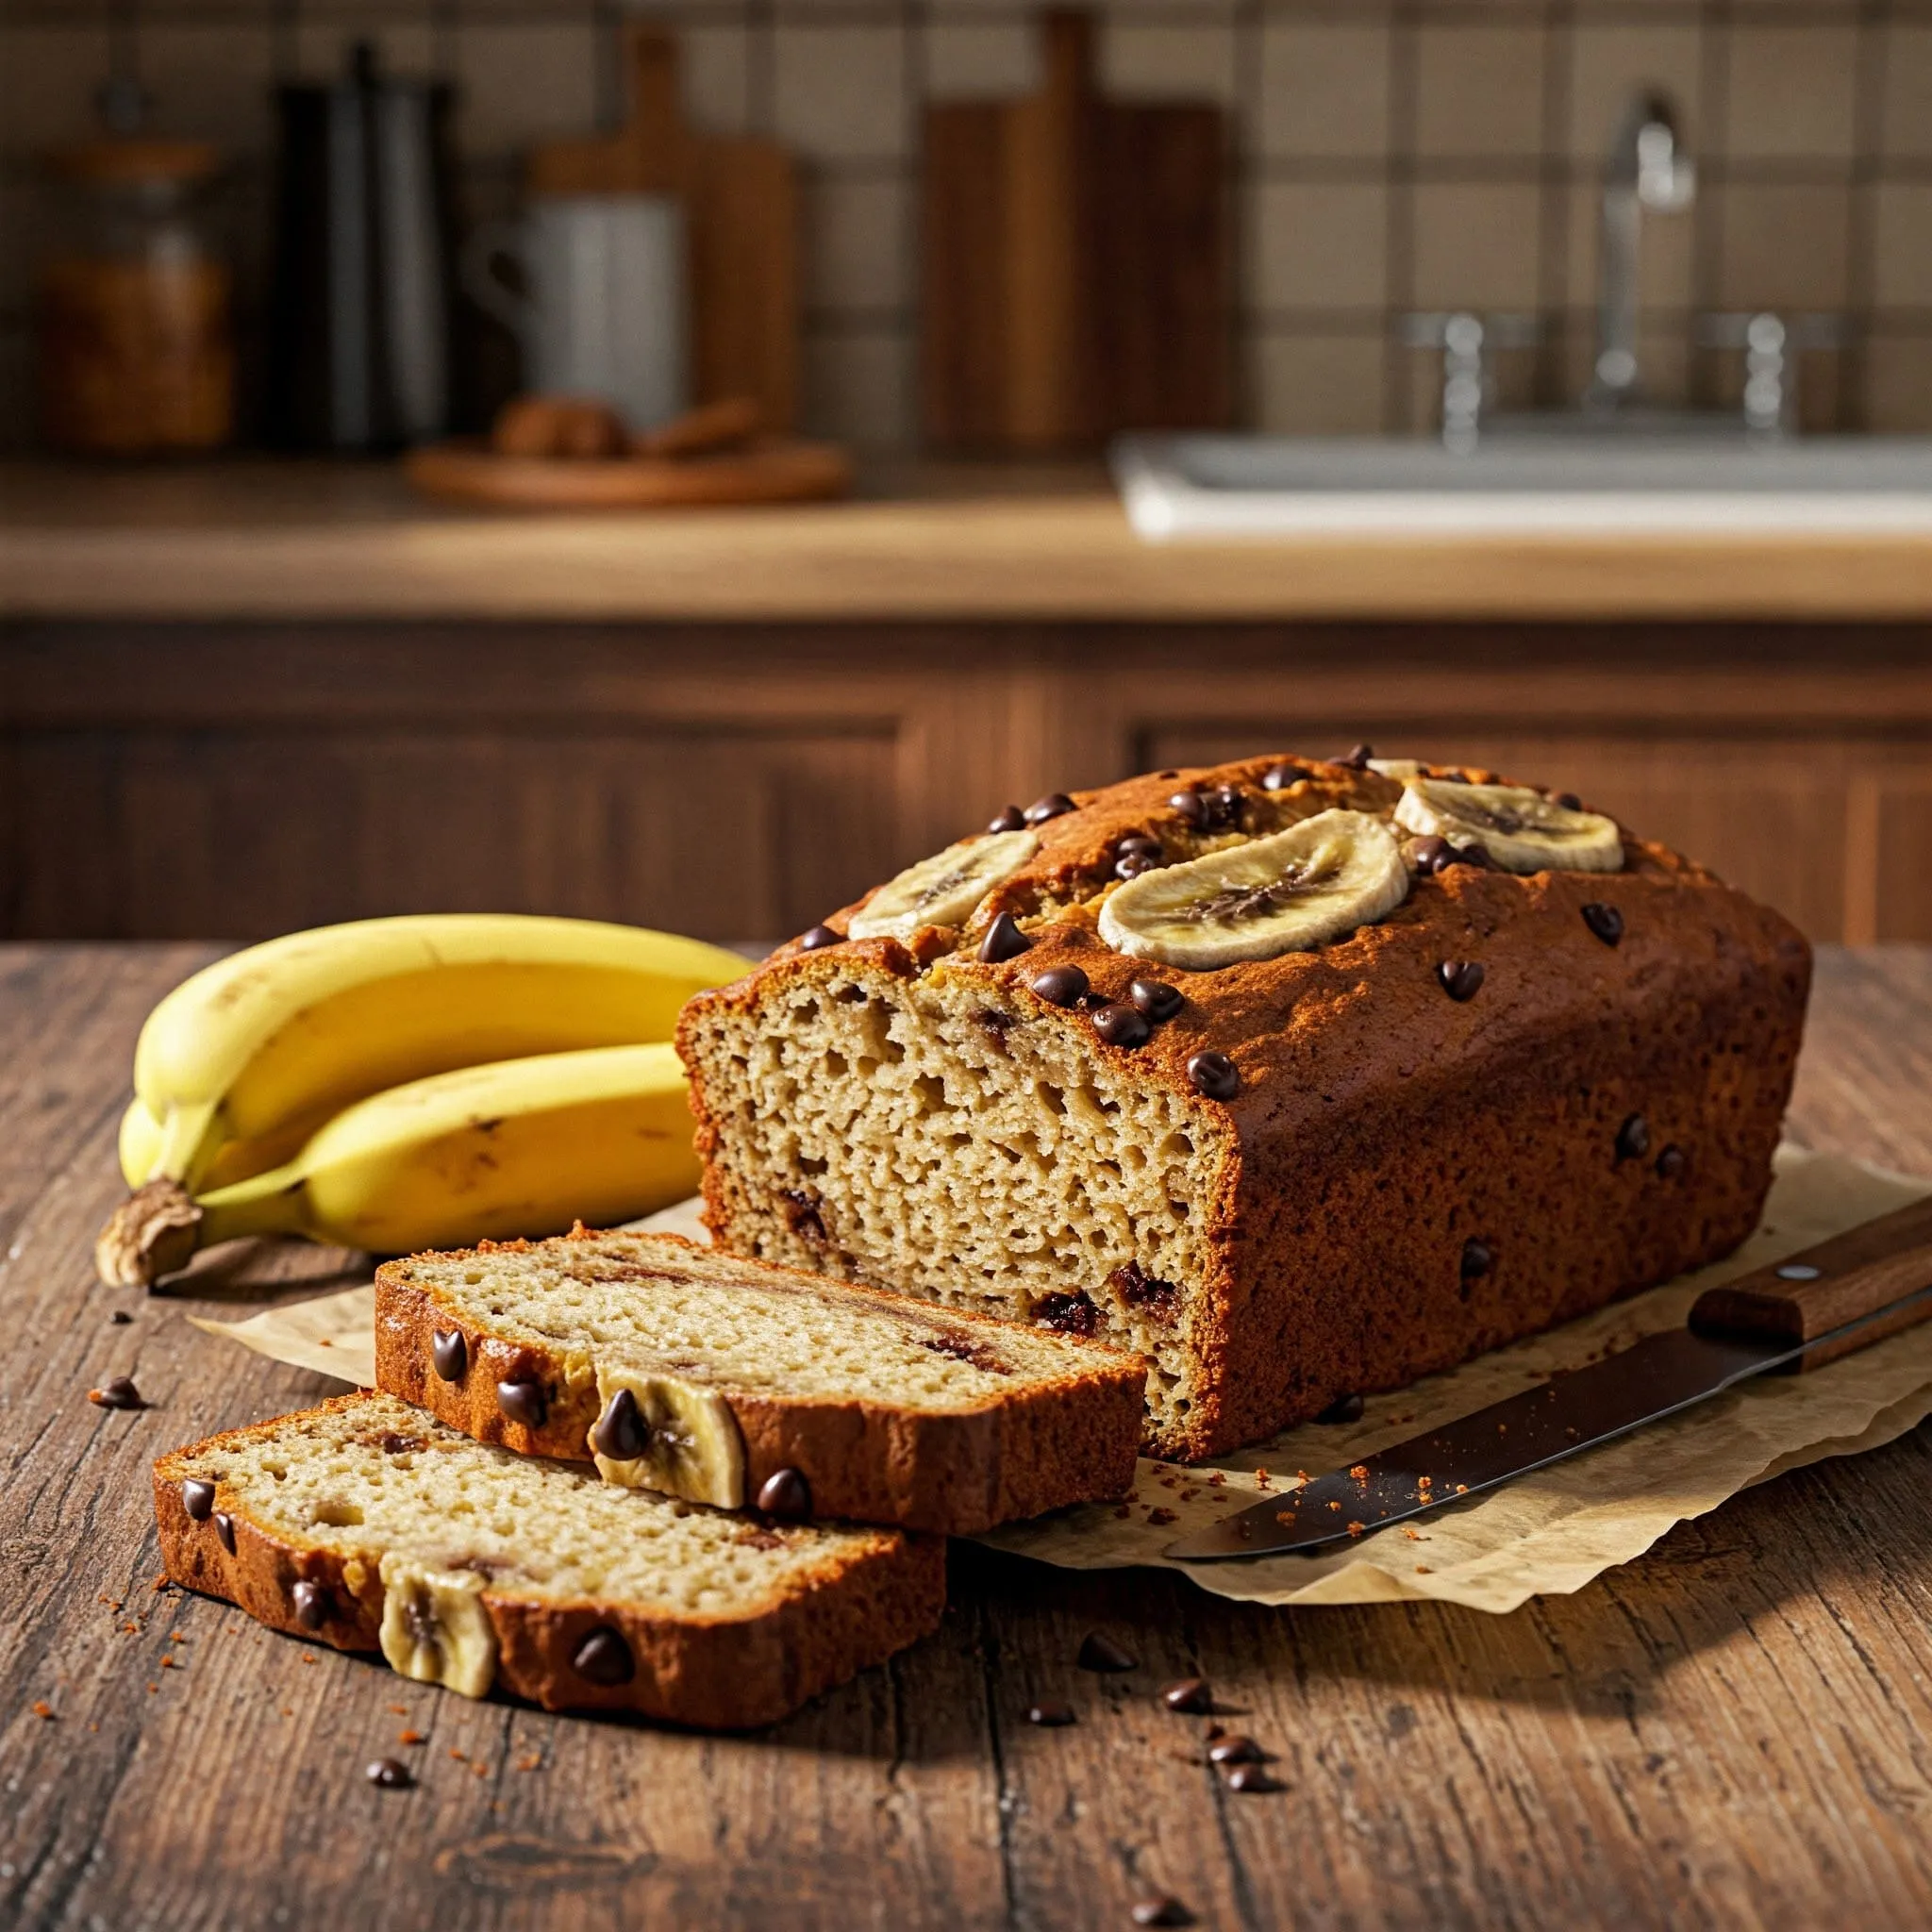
(1077, 264)
(741, 198)
(467, 470)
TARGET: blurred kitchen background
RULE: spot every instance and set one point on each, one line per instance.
(934, 254)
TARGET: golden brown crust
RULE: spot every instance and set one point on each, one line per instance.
(1040, 1448)
(710, 1673)
(1381, 1126)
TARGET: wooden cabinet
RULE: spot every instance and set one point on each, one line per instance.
(739, 781)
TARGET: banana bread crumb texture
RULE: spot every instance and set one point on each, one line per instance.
(369, 1525)
(1498, 1104)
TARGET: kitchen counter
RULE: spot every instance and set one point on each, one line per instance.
(1729, 1731)
(252, 539)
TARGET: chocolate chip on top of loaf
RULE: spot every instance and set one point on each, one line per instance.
(1232, 1066)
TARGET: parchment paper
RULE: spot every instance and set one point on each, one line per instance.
(1545, 1533)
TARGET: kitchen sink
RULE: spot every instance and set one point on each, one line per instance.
(1555, 482)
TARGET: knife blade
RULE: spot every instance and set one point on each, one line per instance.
(1799, 1313)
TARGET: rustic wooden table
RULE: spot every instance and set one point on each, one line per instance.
(1735, 1731)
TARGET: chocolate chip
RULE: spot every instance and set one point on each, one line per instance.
(1010, 818)
(389, 1774)
(1050, 1714)
(1633, 1139)
(1344, 1409)
(1568, 801)
(1159, 1001)
(1068, 1315)
(119, 1318)
(225, 1528)
(1358, 759)
(1134, 1285)
(1279, 777)
(1121, 1024)
(1235, 1750)
(1226, 806)
(197, 1498)
(786, 1492)
(522, 1402)
(1051, 806)
(1139, 846)
(117, 1391)
(1192, 808)
(1162, 1910)
(1471, 852)
(1671, 1163)
(1192, 1696)
(1060, 986)
(1214, 1076)
(1431, 855)
(395, 1444)
(603, 1657)
(450, 1353)
(1252, 1777)
(819, 937)
(1099, 1652)
(620, 1433)
(1130, 865)
(311, 1605)
(1478, 1258)
(1462, 978)
(1004, 940)
(802, 1214)
(1604, 921)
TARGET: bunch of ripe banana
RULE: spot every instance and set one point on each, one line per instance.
(398, 1084)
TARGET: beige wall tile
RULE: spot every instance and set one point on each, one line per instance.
(714, 65)
(401, 46)
(1479, 89)
(1902, 245)
(525, 83)
(1898, 383)
(856, 244)
(1663, 359)
(1784, 247)
(48, 75)
(1666, 252)
(1317, 245)
(1908, 95)
(859, 387)
(981, 59)
(1476, 245)
(1317, 384)
(1324, 89)
(840, 90)
(1610, 62)
(1790, 91)
(1141, 61)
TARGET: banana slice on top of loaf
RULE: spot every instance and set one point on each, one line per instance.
(746, 1386)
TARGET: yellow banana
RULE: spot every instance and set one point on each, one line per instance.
(239, 1065)
(518, 1147)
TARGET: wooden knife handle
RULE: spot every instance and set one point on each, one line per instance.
(1854, 1274)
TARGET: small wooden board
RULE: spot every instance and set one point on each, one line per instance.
(1077, 264)
(467, 470)
(741, 196)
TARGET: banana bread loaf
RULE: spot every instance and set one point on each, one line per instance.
(368, 1526)
(1299, 1079)
(678, 1368)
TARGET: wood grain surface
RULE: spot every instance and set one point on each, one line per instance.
(1732, 1732)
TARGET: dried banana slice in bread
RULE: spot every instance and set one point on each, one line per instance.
(369, 1525)
(679, 1368)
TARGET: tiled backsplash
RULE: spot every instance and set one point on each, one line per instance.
(1388, 158)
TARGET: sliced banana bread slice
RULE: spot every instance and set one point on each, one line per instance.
(739, 1384)
(369, 1525)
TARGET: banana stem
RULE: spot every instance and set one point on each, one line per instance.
(271, 1203)
(191, 1138)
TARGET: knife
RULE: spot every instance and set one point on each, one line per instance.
(1796, 1314)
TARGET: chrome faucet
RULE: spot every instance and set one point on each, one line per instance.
(1647, 169)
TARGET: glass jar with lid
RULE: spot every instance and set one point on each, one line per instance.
(137, 351)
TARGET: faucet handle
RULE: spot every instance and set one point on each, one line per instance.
(1769, 342)
(1464, 339)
